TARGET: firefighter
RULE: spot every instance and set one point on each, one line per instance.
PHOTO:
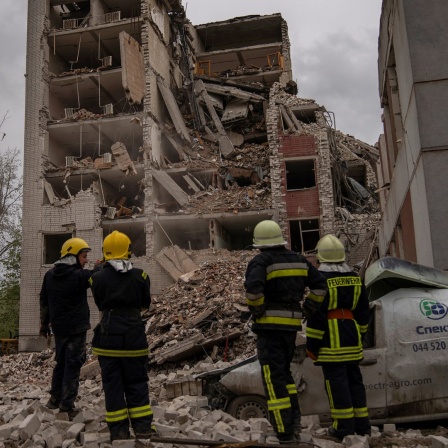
(120, 292)
(275, 284)
(64, 311)
(334, 340)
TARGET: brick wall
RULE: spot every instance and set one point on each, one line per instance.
(35, 111)
(298, 146)
(299, 203)
(302, 203)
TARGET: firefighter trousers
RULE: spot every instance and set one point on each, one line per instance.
(275, 351)
(125, 384)
(70, 356)
(347, 398)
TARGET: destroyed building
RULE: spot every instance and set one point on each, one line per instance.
(183, 137)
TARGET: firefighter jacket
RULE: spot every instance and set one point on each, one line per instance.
(63, 298)
(275, 286)
(120, 295)
(334, 334)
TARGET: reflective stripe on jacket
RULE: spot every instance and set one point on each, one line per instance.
(275, 285)
(339, 339)
(120, 296)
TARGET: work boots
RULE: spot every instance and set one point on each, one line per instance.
(288, 439)
(52, 403)
(71, 412)
(297, 429)
(335, 434)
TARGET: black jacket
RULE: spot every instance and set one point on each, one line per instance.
(63, 299)
(120, 296)
(275, 285)
(339, 340)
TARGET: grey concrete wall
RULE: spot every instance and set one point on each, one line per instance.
(428, 38)
(416, 31)
(431, 99)
(436, 164)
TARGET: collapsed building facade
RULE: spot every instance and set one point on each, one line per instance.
(183, 137)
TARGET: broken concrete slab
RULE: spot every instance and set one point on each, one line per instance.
(235, 110)
(122, 158)
(171, 186)
(175, 261)
(225, 145)
(233, 92)
(173, 110)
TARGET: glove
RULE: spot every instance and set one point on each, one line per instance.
(309, 308)
(311, 355)
(44, 331)
(257, 311)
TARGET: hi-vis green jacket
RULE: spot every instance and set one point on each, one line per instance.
(275, 285)
(120, 296)
(334, 333)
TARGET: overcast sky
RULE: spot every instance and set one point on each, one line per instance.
(334, 49)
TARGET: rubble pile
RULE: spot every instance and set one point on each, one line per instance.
(82, 114)
(207, 310)
(234, 200)
(26, 422)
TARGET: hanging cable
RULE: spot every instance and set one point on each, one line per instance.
(99, 137)
(158, 222)
(77, 56)
(101, 186)
(77, 92)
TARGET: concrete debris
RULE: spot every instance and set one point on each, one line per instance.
(122, 158)
(234, 200)
(204, 311)
(81, 114)
(26, 422)
(176, 262)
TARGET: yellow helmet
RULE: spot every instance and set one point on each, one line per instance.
(74, 246)
(116, 246)
(330, 250)
(268, 234)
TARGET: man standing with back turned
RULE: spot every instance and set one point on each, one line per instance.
(64, 308)
(334, 340)
(275, 285)
(121, 291)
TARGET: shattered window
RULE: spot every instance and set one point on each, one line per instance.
(304, 235)
(52, 246)
(306, 114)
(300, 174)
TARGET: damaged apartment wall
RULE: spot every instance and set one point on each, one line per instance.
(183, 137)
(413, 86)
